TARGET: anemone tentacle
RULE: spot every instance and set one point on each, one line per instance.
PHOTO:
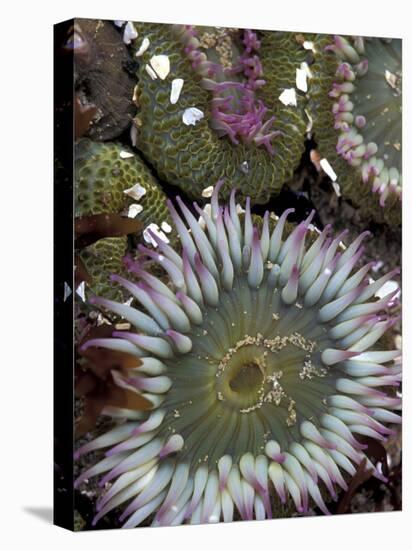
(356, 106)
(226, 122)
(262, 371)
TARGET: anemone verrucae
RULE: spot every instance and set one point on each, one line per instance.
(212, 110)
(112, 179)
(260, 361)
(356, 106)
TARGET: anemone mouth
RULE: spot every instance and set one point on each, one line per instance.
(246, 380)
(261, 368)
(251, 375)
(228, 62)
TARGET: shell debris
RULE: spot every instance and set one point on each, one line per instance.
(134, 210)
(136, 192)
(143, 47)
(288, 97)
(130, 33)
(177, 85)
(207, 191)
(192, 115)
(154, 228)
(126, 155)
(161, 65)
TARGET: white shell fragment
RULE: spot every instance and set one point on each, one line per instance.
(150, 72)
(288, 97)
(308, 45)
(143, 47)
(136, 192)
(122, 326)
(155, 229)
(208, 209)
(305, 67)
(310, 122)
(302, 76)
(81, 291)
(387, 288)
(207, 191)
(101, 320)
(134, 210)
(126, 155)
(390, 79)
(192, 115)
(133, 135)
(130, 33)
(327, 168)
(336, 188)
(301, 80)
(245, 167)
(161, 65)
(119, 23)
(177, 85)
(166, 227)
(377, 266)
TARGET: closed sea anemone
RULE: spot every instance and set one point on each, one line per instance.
(356, 105)
(260, 362)
(110, 179)
(212, 109)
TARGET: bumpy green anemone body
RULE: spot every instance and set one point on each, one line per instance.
(260, 361)
(356, 106)
(101, 178)
(193, 156)
(102, 258)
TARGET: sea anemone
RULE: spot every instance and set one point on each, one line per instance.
(209, 108)
(234, 82)
(260, 361)
(113, 179)
(356, 105)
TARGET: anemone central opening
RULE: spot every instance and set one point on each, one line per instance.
(248, 379)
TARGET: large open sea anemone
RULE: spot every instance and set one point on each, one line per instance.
(263, 362)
